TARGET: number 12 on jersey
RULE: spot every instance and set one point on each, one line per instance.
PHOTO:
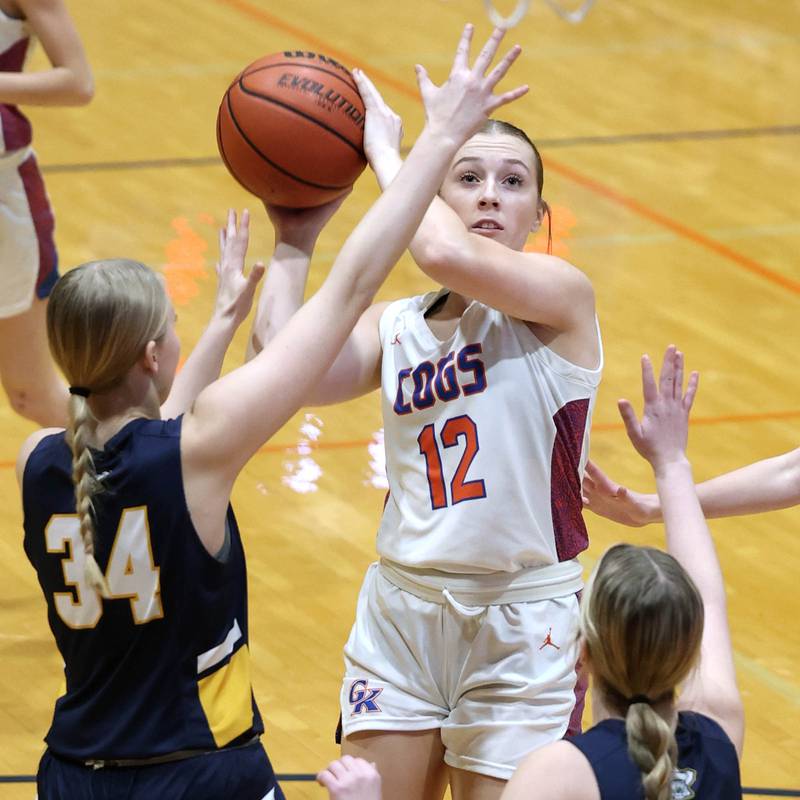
(461, 489)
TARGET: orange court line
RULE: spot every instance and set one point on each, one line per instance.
(597, 427)
(720, 249)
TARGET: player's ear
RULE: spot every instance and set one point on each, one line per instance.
(541, 209)
(149, 358)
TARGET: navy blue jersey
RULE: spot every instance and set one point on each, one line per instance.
(708, 766)
(163, 665)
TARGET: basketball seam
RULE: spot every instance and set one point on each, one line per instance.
(219, 141)
(351, 83)
(270, 161)
(303, 114)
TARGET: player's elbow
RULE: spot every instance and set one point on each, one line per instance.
(791, 472)
(84, 91)
(438, 259)
(80, 88)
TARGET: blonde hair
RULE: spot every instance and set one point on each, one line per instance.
(100, 317)
(642, 624)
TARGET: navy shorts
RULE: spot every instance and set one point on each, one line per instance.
(243, 773)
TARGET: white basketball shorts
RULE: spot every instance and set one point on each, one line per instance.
(28, 260)
(498, 680)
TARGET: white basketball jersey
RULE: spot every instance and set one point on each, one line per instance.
(16, 43)
(486, 436)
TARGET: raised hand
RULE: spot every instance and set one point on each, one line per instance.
(235, 290)
(662, 433)
(351, 778)
(462, 104)
(383, 128)
(616, 502)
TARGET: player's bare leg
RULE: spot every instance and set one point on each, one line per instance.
(466, 785)
(411, 763)
(29, 377)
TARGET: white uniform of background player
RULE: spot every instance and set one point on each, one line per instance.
(27, 251)
(28, 259)
(468, 621)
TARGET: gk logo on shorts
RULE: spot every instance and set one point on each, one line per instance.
(362, 698)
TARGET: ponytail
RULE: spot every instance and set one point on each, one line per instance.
(81, 427)
(549, 214)
(652, 746)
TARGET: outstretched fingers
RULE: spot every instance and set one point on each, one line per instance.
(649, 390)
(503, 66)
(630, 420)
(488, 52)
(506, 98)
(691, 391)
(677, 389)
(666, 381)
(369, 92)
(461, 60)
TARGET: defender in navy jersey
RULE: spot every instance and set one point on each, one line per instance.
(182, 634)
(127, 516)
(28, 256)
(651, 621)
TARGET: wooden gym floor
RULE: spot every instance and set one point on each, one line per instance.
(671, 148)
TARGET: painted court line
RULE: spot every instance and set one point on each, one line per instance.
(597, 427)
(308, 777)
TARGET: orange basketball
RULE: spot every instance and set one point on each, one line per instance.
(290, 129)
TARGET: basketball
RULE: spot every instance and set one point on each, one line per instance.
(290, 129)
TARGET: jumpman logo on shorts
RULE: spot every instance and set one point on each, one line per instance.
(549, 641)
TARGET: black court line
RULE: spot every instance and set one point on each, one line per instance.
(153, 163)
(574, 141)
(673, 136)
(307, 777)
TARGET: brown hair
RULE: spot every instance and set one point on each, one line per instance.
(642, 624)
(100, 317)
(498, 127)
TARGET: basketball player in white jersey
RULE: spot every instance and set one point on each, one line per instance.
(28, 258)
(462, 657)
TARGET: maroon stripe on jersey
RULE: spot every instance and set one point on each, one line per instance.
(13, 59)
(43, 223)
(565, 486)
(15, 125)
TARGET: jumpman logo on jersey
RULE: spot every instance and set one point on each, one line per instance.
(396, 339)
(549, 641)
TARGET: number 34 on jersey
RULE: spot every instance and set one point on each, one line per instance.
(131, 573)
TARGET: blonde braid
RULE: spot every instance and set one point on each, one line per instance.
(652, 746)
(82, 425)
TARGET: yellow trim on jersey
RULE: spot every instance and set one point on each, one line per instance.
(226, 698)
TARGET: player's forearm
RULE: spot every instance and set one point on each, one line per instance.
(763, 486)
(202, 367)
(688, 537)
(380, 238)
(282, 293)
(59, 86)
